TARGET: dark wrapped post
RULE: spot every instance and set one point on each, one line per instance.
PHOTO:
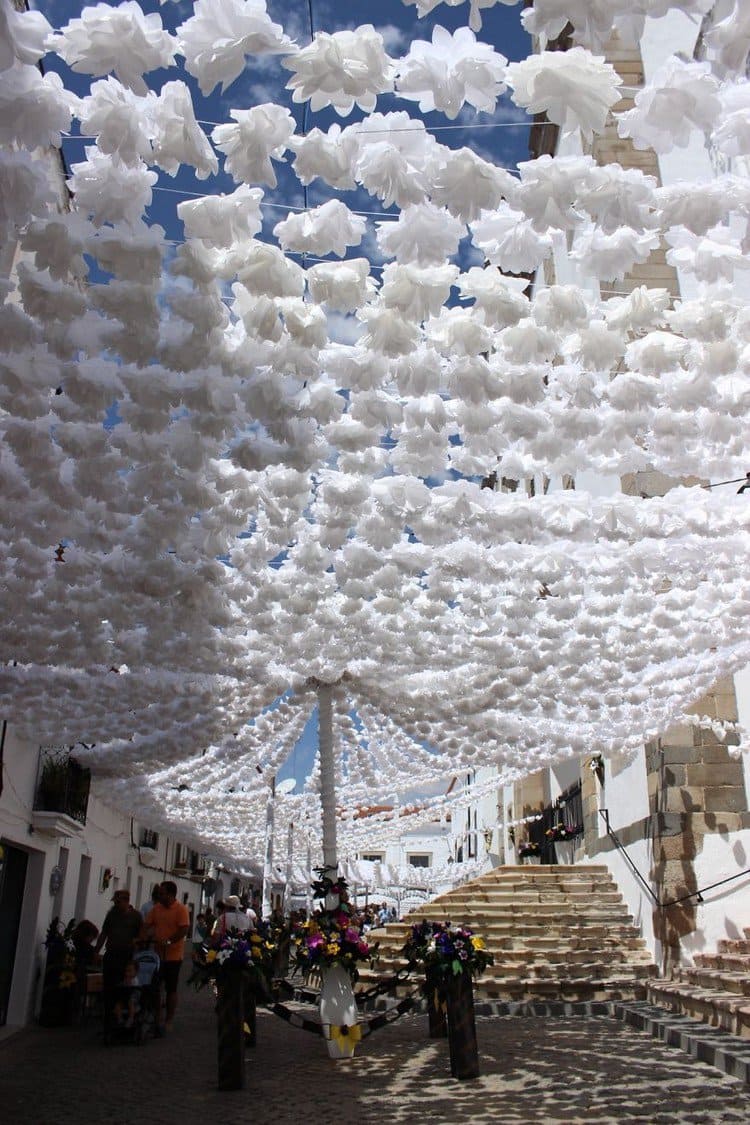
(436, 1006)
(250, 1016)
(230, 1019)
(462, 1032)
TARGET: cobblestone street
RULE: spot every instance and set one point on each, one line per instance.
(575, 1069)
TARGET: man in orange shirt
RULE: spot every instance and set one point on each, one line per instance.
(167, 925)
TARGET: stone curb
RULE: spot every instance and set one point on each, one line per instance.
(729, 1053)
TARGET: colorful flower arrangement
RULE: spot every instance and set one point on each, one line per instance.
(529, 849)
(251, 951)
(439, 947)
(563, 832)
(330, 937)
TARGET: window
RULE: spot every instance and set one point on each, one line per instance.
(180, 856)
(372, 857)
(149, 839)
(419, 859)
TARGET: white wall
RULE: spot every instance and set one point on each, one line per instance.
(105, 842)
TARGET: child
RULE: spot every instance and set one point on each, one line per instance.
(128, 1002)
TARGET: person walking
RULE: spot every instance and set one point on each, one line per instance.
(120, 930)
(167, 925)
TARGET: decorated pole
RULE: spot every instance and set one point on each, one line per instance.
(289, 870)
(268, 859)
(230, 1019)
(462, 1031)
(327, 778)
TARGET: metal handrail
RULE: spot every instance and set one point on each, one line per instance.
(697, 895)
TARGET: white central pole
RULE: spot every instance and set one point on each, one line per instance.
(268, 859)
(327, 778)
(289, 866)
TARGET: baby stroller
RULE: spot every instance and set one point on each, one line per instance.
(129, 1010)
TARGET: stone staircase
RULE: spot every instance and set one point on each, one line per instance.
(715, 990)
(558, 933)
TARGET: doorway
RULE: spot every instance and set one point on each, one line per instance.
(13, 863)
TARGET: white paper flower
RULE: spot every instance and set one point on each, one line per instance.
(23, 35)
(617, 197)
(450, 72)
(342, 69)
(261, 134)
(680, 98)
(265, 270)
(120, 120)
(328, 229)
(120, 40)
(611, 256)
(387, 331)
(641, 309)
(574, 88)
(178, 138)
(548, 190)
(712, 257)
(34, 107)
(466, 185)
(220, 33)
(424, 7)
(728, 40)
(417, 292)
(24, 192)
(423, 234)
(223, 220)
(342, 286)
(508, 240)
(500, 299)
(731, 133)
(396, 158)
(110, 191)
(304, 321)
(457, 332)
(328, 156)
(58, 244)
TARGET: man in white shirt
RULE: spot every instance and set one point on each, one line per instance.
(232, 918)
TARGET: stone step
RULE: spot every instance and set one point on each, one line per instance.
(557, 919)
(499, 905)
(556, 933)
(730, 1053)
(515, 934)
(727, 1010)
(733, 945)
(540, 961)
(607, 988)
(720, 979)
(729, 962)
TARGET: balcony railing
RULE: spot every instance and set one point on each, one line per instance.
(62, 785)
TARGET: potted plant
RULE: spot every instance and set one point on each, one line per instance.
(530, 853)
